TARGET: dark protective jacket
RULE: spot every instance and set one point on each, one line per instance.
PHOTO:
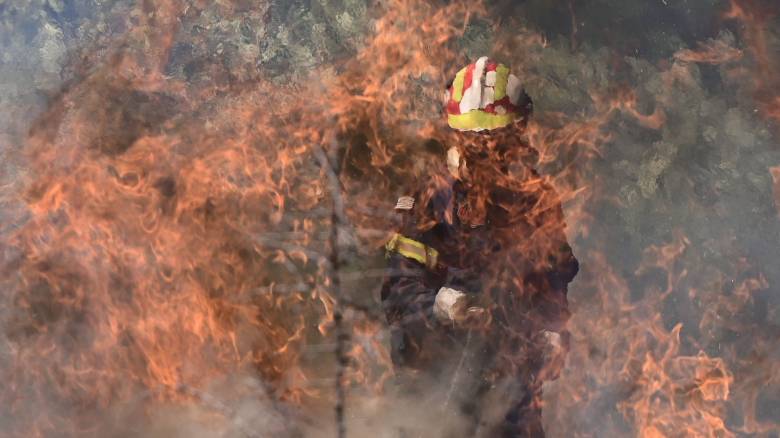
(500, 237)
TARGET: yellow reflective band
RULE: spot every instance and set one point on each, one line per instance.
(477, 119)
(414, 250)
(457, 85)
(502, 76)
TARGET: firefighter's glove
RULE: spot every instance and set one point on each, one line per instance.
(453, 307)
(553, 352)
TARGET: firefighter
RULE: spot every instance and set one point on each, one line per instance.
(479, 266)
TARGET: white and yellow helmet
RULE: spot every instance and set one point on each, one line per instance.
(485, 95)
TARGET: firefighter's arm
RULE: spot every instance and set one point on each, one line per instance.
(407, 302)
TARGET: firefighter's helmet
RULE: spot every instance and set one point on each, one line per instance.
(485, 95)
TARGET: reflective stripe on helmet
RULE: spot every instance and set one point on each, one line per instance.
(457, 85)
(479, 120)
(502, 73)
(472, 90)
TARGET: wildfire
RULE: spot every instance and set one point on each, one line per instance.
(179, 236)
(711, 52)
(755, 18)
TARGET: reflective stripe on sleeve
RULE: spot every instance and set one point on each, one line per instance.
(414, 250)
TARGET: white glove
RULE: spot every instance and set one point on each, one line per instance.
(553, 347)
(450, 305)
(554, 355)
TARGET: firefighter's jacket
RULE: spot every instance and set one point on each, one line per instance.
(498, 236)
